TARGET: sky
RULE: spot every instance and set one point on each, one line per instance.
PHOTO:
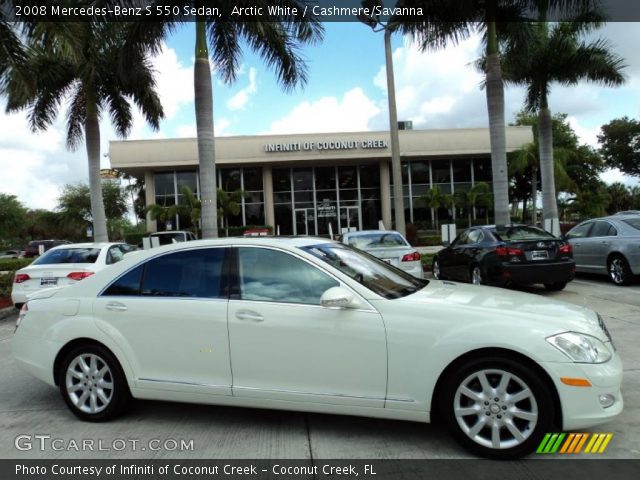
(346, 91)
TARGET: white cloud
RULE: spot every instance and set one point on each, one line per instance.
(189, 130)
(586, 135)
(329, 114)
(174, 81)
(240, 100)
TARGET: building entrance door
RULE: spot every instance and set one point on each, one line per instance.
(349, 219)
(305, 221)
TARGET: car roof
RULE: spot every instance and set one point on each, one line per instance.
(369, 232)
(87, 245)
(271, 241)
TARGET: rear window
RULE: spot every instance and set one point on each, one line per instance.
(169, 238)
(521, 233)
(378, 240)
(633, 222)
(69, 255)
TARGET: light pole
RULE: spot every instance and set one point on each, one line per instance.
(396, 168)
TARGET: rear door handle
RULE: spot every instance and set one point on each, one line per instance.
(116, 307)
(251, 316)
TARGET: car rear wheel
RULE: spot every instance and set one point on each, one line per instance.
(435, 269)
(476, 275)
(93, 384)
(497, 407)
(555, 287)
(619, 270)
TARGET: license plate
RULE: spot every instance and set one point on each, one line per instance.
(48, 282)
(539, 255)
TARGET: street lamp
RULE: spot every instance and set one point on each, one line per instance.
(376, 25)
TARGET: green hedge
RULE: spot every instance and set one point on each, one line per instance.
(429, 240)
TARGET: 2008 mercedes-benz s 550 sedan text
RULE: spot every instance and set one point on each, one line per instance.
(314, 325)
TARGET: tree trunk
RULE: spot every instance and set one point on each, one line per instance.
(524, 210)
(534, 194)
(547, 175)
(469, 216)
(204, 126)
(92, 139)
(497, 129)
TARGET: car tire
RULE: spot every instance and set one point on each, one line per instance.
(93, 384)
(475, 404)
(435, 270)
(475, 275)
(555, 287)
(619, 271)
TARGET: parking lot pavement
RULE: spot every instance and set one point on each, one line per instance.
(29, 407)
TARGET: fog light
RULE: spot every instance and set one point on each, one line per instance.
(606, 400)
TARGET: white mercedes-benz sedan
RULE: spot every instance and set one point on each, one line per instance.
(313, 325)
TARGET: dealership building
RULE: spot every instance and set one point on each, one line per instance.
(302, 183)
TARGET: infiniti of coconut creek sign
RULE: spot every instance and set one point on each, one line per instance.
(327, 145)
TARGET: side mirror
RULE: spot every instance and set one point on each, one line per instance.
(338, 297)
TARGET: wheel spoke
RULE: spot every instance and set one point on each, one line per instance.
(495, 436)
(531, 417)
(467, 392)
(518, 397)
(466, 411)
(93, 403)
(517, 434)
(475, 430)
(484, 381)
(83, 364)
(504, 383)
(104, 384)
(101, 395)
(76, 374)
(83, 399)
(75, 388)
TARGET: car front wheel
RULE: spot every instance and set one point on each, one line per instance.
(476, 275)
(93, 384)
(496, 407)
(435, 269)
(555, 287)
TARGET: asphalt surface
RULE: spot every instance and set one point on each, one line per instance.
(30, 408)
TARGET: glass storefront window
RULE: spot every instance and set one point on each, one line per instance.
(441, 171)
(187, 179)
(302, 179)
(348, 177)
(230, 179)
(254, 214)
(164, 183)
(252, 179)
(482, 170)
(461, 170)
(369, 176)
(420, 173)
(281, 179)
(325, 178)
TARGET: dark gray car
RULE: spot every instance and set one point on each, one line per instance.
(608, 245)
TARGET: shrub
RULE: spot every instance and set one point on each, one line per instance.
(13, 264)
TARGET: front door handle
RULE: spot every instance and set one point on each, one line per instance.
(251, 316)
(116, 307)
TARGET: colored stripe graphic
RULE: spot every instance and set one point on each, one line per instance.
(573, 443)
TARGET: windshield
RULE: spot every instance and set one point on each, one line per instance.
(69, 255)
(633, 222)
(521, 233)
(169, 238)
(377, 240)
(376, 275)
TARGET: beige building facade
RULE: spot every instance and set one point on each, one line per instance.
(300, 184)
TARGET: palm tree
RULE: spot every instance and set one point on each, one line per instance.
(557, 54)
(229, 204)
(433, 199)
(85, 63)
(500, 22)
(12, 53)
(472, 198)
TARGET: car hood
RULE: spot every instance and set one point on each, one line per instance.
(481, 302)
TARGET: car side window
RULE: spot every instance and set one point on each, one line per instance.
(128, 284)
(114, 255)
(191, 273)
(273, 276)
(602, 229)
(580, 231)
(462, 239)
(476, 236)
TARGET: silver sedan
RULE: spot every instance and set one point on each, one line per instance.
(608, 245)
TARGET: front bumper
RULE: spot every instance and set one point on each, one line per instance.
(581, 407)
(528, 273)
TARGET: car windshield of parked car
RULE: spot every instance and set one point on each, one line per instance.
(376, 275)
(169, 238)
(377, 240)
(521, 233)
(633, 222)
(69, 255)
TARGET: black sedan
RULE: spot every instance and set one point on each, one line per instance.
(506, 255)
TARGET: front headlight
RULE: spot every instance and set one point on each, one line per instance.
(581, 348)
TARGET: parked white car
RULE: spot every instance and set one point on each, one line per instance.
(64, 265)
(389, 246)
(173, 236)
(314, 325)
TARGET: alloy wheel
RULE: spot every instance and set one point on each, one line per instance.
(436, 269)
(496, 409)
(89, 383)
(476, 275)
(616, 270)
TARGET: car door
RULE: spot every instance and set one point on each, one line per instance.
(469, 253)
(285, 346)
(578, 238)
(458, 258)
(598, 245)
(170, 316)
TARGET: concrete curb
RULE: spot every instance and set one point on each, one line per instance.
(7, 312)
